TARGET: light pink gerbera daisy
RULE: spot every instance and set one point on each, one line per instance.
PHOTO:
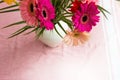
(86, 16)
(75, 37)
(45, 14)
(28, 12)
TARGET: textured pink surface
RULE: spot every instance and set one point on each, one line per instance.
(24, 58)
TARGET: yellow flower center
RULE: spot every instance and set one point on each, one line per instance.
(9, 1)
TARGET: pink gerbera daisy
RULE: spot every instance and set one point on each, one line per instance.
(28, 13)
(45, 14)
(90, 1)
(86, 16)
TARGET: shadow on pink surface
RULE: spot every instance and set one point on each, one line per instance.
(28, 59)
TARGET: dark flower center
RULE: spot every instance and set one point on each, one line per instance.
(85, 18)
(76, 35)
(31, 7)
(44, 13)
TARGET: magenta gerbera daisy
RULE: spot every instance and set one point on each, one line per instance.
(45, 14)
(28, 12)
(86, 16)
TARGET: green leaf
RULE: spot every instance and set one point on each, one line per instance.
(32, 30)
(58, 32)
(20, 31)
(62, 3)
(101, 8)
(16, 23)
(62, 27)
(65, 10)
(71, 0)
(68, 22)
(17, 3)
(66, 3)
(58, 18)
(103, 11)
(54, 2)
(12, 10)
(58, 2)
(104, 14)
(11, 6)
(40, 31)
(70, 15)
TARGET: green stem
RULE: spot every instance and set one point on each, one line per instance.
(71, 0)
(57, 18)
(32, 30)
(62, 27)
(17, 3)
(68, 15)
(40, 31)
(58, 32)
(9, 10)
(9, 7)
(101, 8)
(55, 2)
(62, 3)
(1, 1)
(16, 23)
(66, 10)
(20, 31)
(69, 22)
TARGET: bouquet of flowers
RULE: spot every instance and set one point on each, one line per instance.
(40, 15)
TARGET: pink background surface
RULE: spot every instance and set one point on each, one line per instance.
(25, 58)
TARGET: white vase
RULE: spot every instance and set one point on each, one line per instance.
(51, 38)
